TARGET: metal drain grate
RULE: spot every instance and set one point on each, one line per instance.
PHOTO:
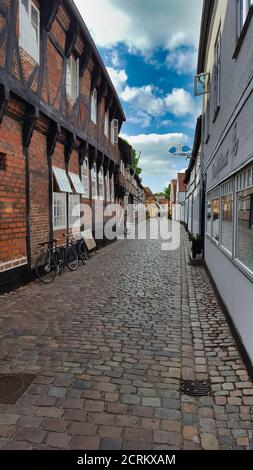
(195, 388)
(12, 387)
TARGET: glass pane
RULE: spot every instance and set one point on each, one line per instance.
(34, 17)
(209, 217)
(216, 219)
(227, 223)
(245, 228)
(24, 5)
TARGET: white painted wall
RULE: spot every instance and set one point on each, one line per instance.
(236, 292)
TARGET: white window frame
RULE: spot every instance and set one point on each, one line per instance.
(107, 121)
(72, 78)
(114, 131)
(243, 7)
(25, 28)
(94, 106)
(94, 177)
(85, 175)
(112, 188)
(73, 202)
(62, 197)
(101, 182)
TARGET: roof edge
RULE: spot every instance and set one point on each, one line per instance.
(207, 12)
(70, 4)
(195, 149)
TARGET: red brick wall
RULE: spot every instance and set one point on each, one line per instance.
(39, 193)
(12, 193)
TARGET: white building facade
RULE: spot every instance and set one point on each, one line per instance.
(226, 54)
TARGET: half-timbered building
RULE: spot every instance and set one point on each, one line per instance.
(59, 122)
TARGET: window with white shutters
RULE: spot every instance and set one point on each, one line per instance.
(114, 131)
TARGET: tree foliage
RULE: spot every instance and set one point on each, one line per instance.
(134, 160)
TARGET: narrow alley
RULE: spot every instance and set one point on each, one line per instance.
(109, 346)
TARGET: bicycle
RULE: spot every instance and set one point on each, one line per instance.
(49, 262)
(71, 256)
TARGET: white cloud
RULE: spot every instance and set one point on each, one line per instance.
(144, 98)
(155, 159)
(142, 25)
(182, 61)
(180, 102)
(165, 123)
(119, 78)
(140, 118)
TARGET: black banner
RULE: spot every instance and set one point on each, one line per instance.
(115, 459)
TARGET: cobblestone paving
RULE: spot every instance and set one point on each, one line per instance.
(109, 345)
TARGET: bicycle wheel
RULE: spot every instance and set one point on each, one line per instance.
(82, 252)
(46, 268)
(71, 258)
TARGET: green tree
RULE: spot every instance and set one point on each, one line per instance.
(134, 160)
(167, 192)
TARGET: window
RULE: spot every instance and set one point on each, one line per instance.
(107, 124)
(216, 219)
(207, 120)
(85, 179)
(108, 192)
(94, 181)
(72, 78)
(101, 184)
(244, 236)
(114, 131)
(112, 188)
(29, 26)
(62, 180)
(94, 106)
(217, 73)
(227, 222)
(59, 210)
(243, 7)
(74, 210)
(122, 166)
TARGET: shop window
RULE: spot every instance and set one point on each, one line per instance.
(245, 228)
(216, 219)
(227, 222)
(29, 27)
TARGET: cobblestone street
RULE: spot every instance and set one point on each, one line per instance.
(109, 346)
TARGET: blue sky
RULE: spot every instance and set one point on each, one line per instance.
(150, 50)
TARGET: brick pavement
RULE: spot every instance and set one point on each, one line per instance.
(109, 345)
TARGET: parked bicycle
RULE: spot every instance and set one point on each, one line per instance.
(49, 262)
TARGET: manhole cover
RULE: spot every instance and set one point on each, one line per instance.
(12, 387)
(195, 388)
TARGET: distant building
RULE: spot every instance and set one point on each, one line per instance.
(151, 203)
(178, 189)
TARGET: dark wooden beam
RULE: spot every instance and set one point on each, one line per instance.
(92, 156)
(68, 148)
(102, 91)
(30, 119)
(84, 59)
(52, 137)
(71, 37)
(48, 12)
(108, 99)
(83, 152)
(100, 161)
(111, 168)
(112, 110)
(94, 76)
(11, 40)
(4, 98)
(106, 165)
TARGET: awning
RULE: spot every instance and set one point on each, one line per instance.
(62, 180)
(77, 183)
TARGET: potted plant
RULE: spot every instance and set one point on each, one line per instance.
(197, 245)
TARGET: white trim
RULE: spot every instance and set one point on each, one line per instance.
(25, 30)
